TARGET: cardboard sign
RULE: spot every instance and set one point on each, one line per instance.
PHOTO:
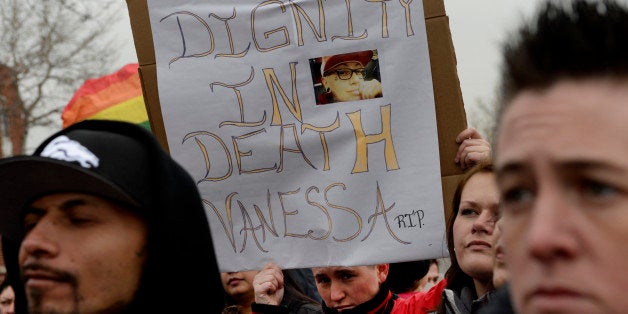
(310, 127)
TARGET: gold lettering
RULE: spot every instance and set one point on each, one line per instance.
(298, 10)
(203, 149)
(271, 82)
(229, 231)
(271, 228)
(347, 209)
(184, 50)
(249, 227)
(310, 233)
(362, 141)
(286, 214)
(406, 6)
(282, 148)
(384, 17)
(239, 153)
(238, 94)
(381, 210)
(321, 133)
(350, 35)
(269, 33)
(232, 53)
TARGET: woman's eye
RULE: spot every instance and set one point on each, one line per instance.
(467, 212)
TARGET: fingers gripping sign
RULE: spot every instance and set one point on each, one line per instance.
(268, 285)
(473, 148)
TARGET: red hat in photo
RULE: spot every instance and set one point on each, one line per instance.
(330, 62)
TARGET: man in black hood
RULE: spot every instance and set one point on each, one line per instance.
(101, 219)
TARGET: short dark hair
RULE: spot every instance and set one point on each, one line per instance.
(575, 40)
(4, 285)
(405, 276)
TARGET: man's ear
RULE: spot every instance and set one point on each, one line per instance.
(382, 272)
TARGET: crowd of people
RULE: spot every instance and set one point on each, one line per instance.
(537, 223)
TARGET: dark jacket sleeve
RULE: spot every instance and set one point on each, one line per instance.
(500, 302)
(268, 309)
(292, 308)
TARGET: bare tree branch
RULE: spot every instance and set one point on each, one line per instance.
(482, 116)
(51, 48)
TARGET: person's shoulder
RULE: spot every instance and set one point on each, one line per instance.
(499, 302)
(298, 307)
(301, 306)
(451, 303)
(423, 301)
(258, 308)
(309, 308)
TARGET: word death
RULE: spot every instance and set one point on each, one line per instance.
(206, 139)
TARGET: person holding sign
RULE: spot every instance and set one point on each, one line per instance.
(561, 159)
(348, 289)
(471, 240)
(106, 222)
(472, 148)
(363, 289)
(240, 295)
(343, 78)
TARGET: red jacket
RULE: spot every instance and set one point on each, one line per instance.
(386, 302)
(421, 302)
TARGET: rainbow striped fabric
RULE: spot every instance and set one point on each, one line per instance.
(117, 96)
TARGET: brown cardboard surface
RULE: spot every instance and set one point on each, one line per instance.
(433, 8)
(450, 114)
(142, 33)
(148, 75)
(449, 188)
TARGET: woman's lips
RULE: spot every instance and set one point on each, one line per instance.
(234, 281)
(480, 244)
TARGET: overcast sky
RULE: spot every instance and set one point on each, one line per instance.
(478, 28)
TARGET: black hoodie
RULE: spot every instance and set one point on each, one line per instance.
(181, 273)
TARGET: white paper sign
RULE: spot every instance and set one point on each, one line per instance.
(298, 166)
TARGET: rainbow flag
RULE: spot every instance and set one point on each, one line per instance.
(117, 96)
